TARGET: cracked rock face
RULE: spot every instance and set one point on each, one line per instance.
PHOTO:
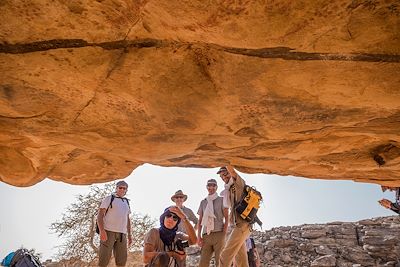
(90, 90)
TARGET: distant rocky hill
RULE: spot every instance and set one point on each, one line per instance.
(372, 242)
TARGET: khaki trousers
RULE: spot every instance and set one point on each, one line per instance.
(214, 242)
(116, 242)
(235, 247)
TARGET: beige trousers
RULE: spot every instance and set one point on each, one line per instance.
(235, 247)
(214, 242)
(117, 243)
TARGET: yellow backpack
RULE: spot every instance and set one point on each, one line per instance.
(249, 204)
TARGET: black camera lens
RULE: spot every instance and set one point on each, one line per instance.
(181, 244)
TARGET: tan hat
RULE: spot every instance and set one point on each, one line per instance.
(179, 193)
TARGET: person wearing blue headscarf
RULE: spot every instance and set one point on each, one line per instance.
(163, 246)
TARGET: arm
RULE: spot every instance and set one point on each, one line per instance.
(199, 239)
(100, 224)
(236, 177)
(129, 232)
(190, 231)
(257, 257)
(149, 253)
(395, 207)
(194, 219)
(389, 205)
(192, 238)
(232, 171)
(226, 220)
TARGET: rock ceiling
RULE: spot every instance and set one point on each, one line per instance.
(90, 90)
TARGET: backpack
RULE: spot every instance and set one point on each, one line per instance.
(7, 260)
(110, 206)
(22, 258)
(249, 204)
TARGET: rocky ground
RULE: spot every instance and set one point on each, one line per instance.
(372, 242)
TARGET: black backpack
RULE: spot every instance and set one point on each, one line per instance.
(22, 258)
(110, 206)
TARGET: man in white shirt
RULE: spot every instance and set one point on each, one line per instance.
(114, 227)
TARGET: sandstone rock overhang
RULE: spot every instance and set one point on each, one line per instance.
(90, 90)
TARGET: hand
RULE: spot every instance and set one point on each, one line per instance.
(178, 212)
(385, 203)
(231, 171)
(103, 235)
(200, 242)
(180, 257)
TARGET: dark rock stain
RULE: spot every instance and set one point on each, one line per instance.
(8, 91)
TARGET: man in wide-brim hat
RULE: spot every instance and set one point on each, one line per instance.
(179, 194)
(179, 197)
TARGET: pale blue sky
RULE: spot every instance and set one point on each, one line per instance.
(26, 213)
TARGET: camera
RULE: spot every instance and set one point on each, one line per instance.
(181, 244)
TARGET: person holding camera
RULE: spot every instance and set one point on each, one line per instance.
(213, 225)
(394, 206)
(164, 246)
(235, 246)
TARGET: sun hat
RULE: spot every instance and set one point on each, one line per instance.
(179, 193)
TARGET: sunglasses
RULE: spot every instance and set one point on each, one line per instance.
(122, 187)
(211, 185)
(174, 217)
(179, 197)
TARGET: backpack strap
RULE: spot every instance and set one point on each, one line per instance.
(127, 201)
(110, 205)
(234, 213)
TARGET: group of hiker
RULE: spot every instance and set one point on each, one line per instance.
(165, 245)
(223, 227)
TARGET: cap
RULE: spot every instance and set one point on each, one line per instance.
(212, 181)
(222, 169)
(122, 183)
